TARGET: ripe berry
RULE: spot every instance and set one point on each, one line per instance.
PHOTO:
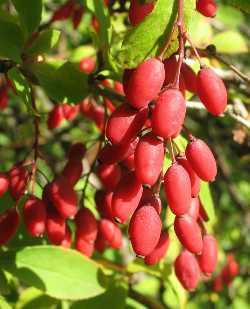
(138, 11)
(56, 117)
(126, 198)
(145, 82)
(73, 171)
(86, 225)
(149, 156)
(208, 258)
(63, 197)
(83, 246)
(109, 175)
(159, 251)
(77, 151)
(18, 178)
(207, 8)
(129, 162)
(70, 111)
(55, 227)
(118, 86)
(4, 98)
(153, 199)
(103, 201)
(111, 233)
(77, 16)
(177, 180)
(217, 284)
(212, 91)
(189, 233)
(87, 65)
(124, 124)
(230, 270)
(100, 243)
(4, 183)
(9, 222)
(194, 208)
(195, 180)
(190, 78)
(187, 270)
(169, 114)
(145, 230)
(201, 159)
(34, 214)
(64, 11)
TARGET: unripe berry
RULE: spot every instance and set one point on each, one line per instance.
(126, 198)
(111, 233)
(138, 11)
(9, 222)
(201, 159)
(63, 197)
(145, 82)
(177, 180)
(145, 230)
(124, 124)
(195, 180)
(212, 91)
(207, 8)
(87, 65)
(208, 258)
(194, 208)
(55, 227)
(159, 251)
(169, 113)
(190, 78)
(189, 233)
(34, 214)
(73, 171)
(4, 183)
(103, 201)
(187, 270)
(66, 242)
(55, 117)
(149, 156)
(86, 225)
(18, 178)
(109, 175)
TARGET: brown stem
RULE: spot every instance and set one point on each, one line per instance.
(171, 150)
(145, 300)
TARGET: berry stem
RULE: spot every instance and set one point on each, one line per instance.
(171, 150)
(193, 48)
(189, 134)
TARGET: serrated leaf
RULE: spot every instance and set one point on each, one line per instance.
(12, 41)
(60, 273)
(230, 42)
(46, 40)
(243, 5)
(63, 82)
(21, 85)
(148, 38)
(30, 13)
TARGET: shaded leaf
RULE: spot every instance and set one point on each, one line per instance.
(230, 42)
(243, 5)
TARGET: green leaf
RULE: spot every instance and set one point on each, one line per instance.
(30, 13)
(243, 5)
(148, 38)
(223, 42)
(21, 85)
(4, 287)
(63, 82)
(114, 297)
(207, 201)
(4, 304)
(12, 40)
(60, 273)
(45, 42)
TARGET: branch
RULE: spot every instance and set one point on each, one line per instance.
(145, 300)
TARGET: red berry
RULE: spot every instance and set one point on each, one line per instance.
(111, 233)
(86, 225)
(18, 178)
(230, 270)
(195, 180)
(208, 258)
(194, 208)
(118, 86)
(109, 175)
(73, 171)
(201, 159)
(4, 183)
(34, 214)
(187, 270)
(100, 243)
(126, 197)
(70, 111)
(190, 78)
(177, 180)
(138, 11)
(150, 198)
(145, 82)
(9, 222)
(104, 203)
(169, 114)
(207, 8)
(56, 117)
(95, 24)
(212, 91)
(145, 230)
(66, 242)
(64, 11)
(87, 65)
(77, 16)
(189, 233)
(218, 284)
(160, 250)
(129, 162)
(4, 98)
(77, 151)
(55, 227)
(83, 246)
(124, 124)
(63, 197)
(149, 156)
